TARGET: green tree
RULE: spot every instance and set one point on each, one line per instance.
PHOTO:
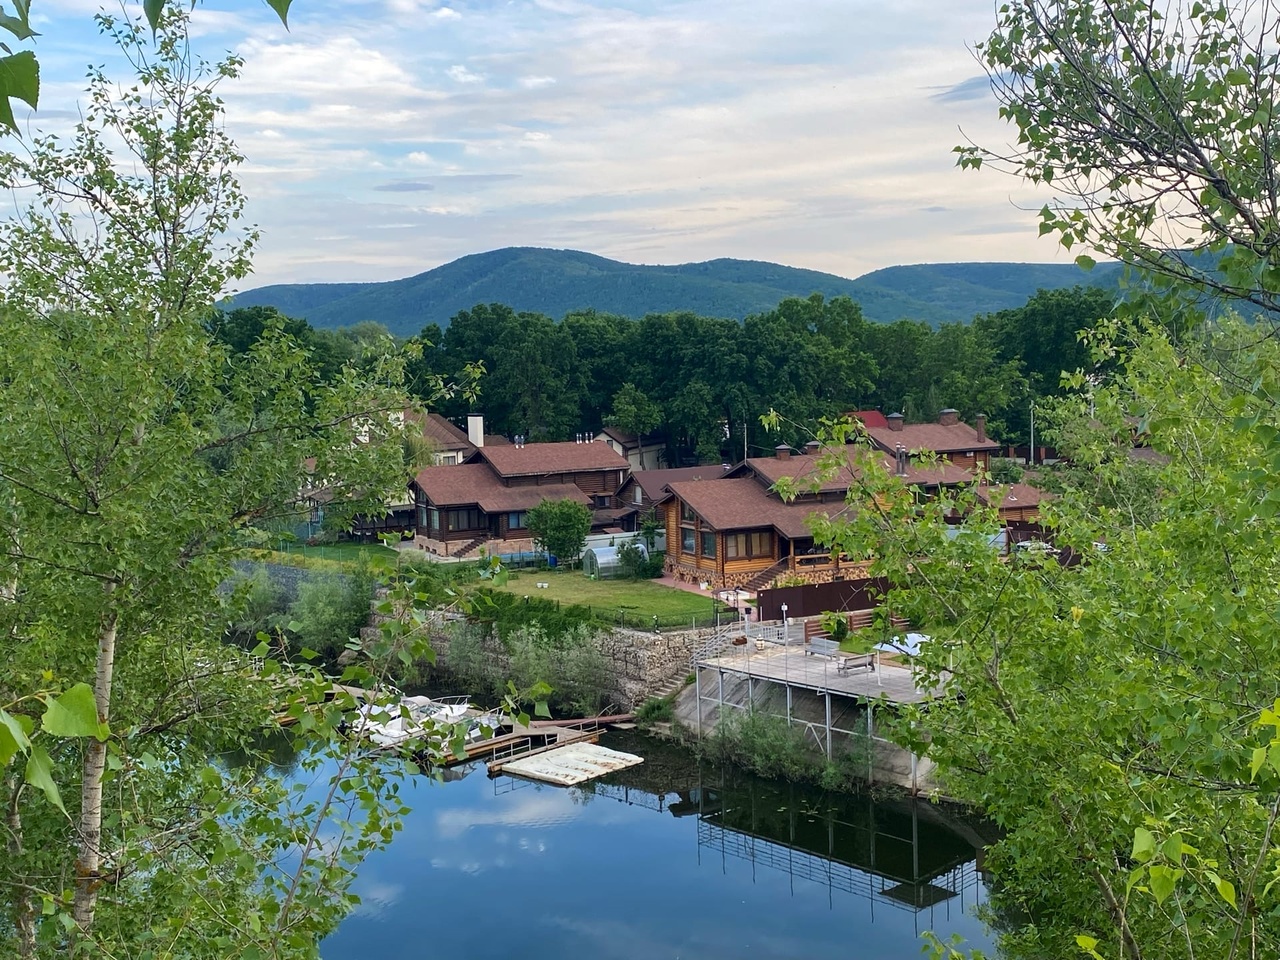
(1151, 122)
(133, 452)
(560, 527)
(633, 411)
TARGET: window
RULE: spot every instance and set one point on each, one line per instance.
(708, 543)
(433, 518)
(515, 520)
(464, 519)
(687, 539)
(686, 512)
(741, 546)
(603, 501)
(638, 494)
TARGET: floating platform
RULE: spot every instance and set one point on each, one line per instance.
(569, 765)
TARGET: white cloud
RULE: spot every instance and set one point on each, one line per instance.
(460, 74)
(533, 83)
(445, 13)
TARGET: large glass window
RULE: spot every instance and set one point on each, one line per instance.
(687, 539)
(708, 543)
(464, 519)
(741, 546)
(686, 512)
(515, 520)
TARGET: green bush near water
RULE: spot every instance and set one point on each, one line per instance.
(769, 746)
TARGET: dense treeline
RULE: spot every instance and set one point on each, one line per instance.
(703, 381)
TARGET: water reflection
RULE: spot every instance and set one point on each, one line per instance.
(666, 859)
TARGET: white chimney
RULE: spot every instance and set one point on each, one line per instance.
(475, 430)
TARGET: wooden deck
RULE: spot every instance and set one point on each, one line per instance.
(792, 666)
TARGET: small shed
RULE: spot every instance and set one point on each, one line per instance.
(603, 563)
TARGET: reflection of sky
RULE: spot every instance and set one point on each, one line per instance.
(541, 872)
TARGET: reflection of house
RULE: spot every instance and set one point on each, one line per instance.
(951, 440)
(643, 453)
(736, 532)
(487, 497)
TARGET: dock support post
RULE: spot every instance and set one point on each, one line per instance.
(720, 697)
(697, 687)
(827, 697)
(788, 704)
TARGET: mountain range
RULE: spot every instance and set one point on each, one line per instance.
(556, 282)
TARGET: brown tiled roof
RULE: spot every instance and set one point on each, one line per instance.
(805, 467)
(652, 482)
(538, 459)
(957, 438)
(475, 484)
(1012, 496)
(441, 432)
(741, 503)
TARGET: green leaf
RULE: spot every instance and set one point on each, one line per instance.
(1144, 844)
(74, 714)
(153, 9)
(40, 775)
(541, 709)
(1163, 881)
(18, 27)
(1172, 849)
(1226, 890)
(1088, 945)
(20, 78)
(13, 739)
(281, 7)
(1259, 758)
(1086, 262)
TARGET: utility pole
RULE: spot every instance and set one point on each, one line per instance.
(1031, 456)
(744, 440)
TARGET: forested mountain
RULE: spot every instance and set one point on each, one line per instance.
(556, 282)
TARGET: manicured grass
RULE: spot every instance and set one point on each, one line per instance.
(632, 596)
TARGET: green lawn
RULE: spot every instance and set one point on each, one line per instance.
(642, 597)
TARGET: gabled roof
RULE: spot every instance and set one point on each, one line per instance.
(441, 432)
(630, 439)
(804, 468)
(937, 437)
(539, 459)
(1012, 496)
(474, 484)
(869, 418)
(741, 503)
(654, 482)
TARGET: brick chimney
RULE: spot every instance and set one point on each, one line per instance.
(812, 448)
(980, 424)
(782, 452)
(949, 417)
(895, 421)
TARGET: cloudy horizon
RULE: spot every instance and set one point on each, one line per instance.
(387, 137)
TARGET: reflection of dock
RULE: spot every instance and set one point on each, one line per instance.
(879, 852)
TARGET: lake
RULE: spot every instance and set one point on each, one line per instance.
(670, 859)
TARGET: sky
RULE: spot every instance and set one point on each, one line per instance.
(386, 137)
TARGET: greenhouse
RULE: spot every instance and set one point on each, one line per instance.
(603, 563)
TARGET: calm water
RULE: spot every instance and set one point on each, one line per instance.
(666, 860)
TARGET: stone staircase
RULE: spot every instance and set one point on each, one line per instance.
(465, 550)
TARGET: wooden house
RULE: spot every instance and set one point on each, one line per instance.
(488, 496)
(735, 531)
(952, 441)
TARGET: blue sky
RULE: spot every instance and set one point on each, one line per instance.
(385, 137)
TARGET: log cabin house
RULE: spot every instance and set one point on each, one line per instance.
(487, 497)
(953, 442)
(736, 532)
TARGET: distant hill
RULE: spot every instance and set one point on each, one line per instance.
(555, 282)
